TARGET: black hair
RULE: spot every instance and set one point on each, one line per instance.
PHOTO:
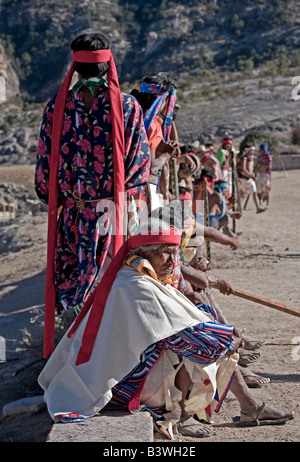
(160, 78)
(91, 41)
(207, 173)
(184, 149)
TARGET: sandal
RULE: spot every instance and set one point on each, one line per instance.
(246, 358)
(246, 420)
(251, 344)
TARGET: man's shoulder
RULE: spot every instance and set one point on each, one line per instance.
(130, 282)
(127, 273)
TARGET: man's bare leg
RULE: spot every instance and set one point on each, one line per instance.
(188, 426)
(251, 406)
(256, 202)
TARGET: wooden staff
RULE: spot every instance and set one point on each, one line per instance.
(266, 302)
(206, 221)
(236, 183)
(282, 165)
(233, 190)
(246, 201)
(174, 179)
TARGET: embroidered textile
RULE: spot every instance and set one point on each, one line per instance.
(204, 343)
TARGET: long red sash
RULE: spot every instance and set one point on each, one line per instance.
(118, 176)
(99, 297)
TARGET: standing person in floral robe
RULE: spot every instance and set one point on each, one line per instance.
(85, 172)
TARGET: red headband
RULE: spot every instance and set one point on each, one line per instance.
(97, 56)
(226, 141)
(99, 296)
(119, 175)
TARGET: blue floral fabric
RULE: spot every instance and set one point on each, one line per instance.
(85, 178)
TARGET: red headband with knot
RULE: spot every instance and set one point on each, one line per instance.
(226, 141)
(98, 56)
(99, 296)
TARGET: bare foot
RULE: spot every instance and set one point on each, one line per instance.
(251, 344)
(253, 380)
(260, 210)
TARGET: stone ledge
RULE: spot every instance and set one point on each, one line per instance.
(108, 427)
(28, 405)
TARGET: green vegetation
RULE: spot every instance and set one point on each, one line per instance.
(200, 39)
(260, 137)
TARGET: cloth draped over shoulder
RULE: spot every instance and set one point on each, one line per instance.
(129, 326)
(99, 297)
(202, 344)
(106, 341)
(118, 143)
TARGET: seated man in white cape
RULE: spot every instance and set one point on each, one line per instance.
(139, 343)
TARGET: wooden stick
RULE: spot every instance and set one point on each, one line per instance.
(233, 190)
(282, 165)
(206, 222)
(246, 201)
(236, 183)
(267, 302)
(174, 179)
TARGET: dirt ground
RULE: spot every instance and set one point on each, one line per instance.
(267, 264)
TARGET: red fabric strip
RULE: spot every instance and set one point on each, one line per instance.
(119, 176)
(50, 292)
(97, 56)
(118, 153)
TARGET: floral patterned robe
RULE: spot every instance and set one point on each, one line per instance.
(85, 178)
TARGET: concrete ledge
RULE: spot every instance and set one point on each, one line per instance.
(108, 427)
(29, 405)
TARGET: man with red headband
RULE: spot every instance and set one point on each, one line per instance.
(140, 344)
(125, 340)
(92, 147)
(223, 152)
(224, 157)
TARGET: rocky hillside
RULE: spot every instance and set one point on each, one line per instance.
(234, 61)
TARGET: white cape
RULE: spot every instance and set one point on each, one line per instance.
(139, 312)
